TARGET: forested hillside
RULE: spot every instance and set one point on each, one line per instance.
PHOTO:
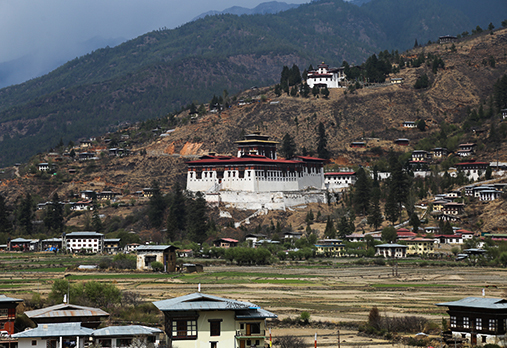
(163, 71)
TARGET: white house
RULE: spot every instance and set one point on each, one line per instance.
(86, 241)
(58, 335)
(127, 336)
(324, 76)
(335, 181)
(409, 124)
(257, 179)
(391, 250)
(200, 320)
(43, 167)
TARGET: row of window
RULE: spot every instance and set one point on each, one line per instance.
(492, 324)
(187, 329)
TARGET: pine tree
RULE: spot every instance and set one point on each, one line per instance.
(197, 219)
(54, 215)
(343, 227)
(375, 217)
(5, 224)
(176, 219)
(391, 208)
(25, 214)
(322, 151)
(156, 206)
(414, 222)
(330, 231)
(362, 192)
(288, 149)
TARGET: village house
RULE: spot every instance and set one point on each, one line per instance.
(420, 156)
(397, 80)
(403, 233)
(85, 156)
(88, 194)
(479, 320)
(257, 179)
(440, 152)
(448, 239)
(324, 76)
(419, 246)
(504, 114)
(112, 245)
(357, 144)
(108, 195)
(489, 195)
(336, 181)
(391, 250)
(131, 247)
(19, 244)
(82, 205)
(447, 39)
(402, 141)
(200, 320)
(50, 244)
(54, 336)
(85, 143)
(185, 253)
(252, 238)
(83, 241)
(292, 236)
(88, 317)
(225, 243)
(165, 254)
(8, 313)
(355, 237)
(466, 150)
(465, 234)
(453, 208)
(43, 167)
(127, 336)
(409, 124)
(330, 247)
(473, 170)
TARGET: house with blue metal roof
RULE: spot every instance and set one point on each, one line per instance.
(165, 254)
(54, 336)
(127, 336)
(200, 320)
(479, 320)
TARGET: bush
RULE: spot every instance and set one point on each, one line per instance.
(290, 341)
(124, 261)
(157, 266)
(305, 317)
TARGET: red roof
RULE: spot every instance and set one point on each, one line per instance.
(447, 236)
(403, 230)
(464, 232)
(406, 234)
(237, 160)
(467, 163)
(229, 240)
(341, 173)
(309, 158)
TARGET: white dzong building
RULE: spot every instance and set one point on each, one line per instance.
(324, 76)
(257, 178)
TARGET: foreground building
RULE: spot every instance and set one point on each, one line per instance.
(256, 178)
(199, 320)
(480, 320)
(8, 310)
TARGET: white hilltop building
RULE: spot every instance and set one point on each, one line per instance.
(256, 178)
(324, 76)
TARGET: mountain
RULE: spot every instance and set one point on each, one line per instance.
(38, 63)
(373, 114)
(165, 70)
(263, 8)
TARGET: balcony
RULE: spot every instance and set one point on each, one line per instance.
(242, 334)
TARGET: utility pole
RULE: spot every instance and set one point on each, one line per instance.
(338, 333)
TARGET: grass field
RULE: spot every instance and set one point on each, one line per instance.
(335, 291)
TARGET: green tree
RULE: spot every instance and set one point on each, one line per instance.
(389, 234)
(504, 23)
(156, 206)
(414, 222)
(391, 207)
(362, 192)
(25, 214)
(197, 219)
(5, 224)
(343, 227)
(375, 216)
(322, 151)
(325, 92)
(421, 125)
(288, 149)
(330, 231)
(54, 215)
(491, 26)
(177, 216)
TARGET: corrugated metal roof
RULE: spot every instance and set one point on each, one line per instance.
(86, 233)
(390, 245)
(58, 330)
(130, 330)
(66, 310)
(154, 247)
(477, 302)
(21, 240)
(4, 298)
(201, 302)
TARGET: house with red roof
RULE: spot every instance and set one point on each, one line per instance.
(225, 243)
(472, 169)
(257, 178)
(324, 76)
(335, 181)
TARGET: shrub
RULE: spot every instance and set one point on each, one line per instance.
(157, 266)
(305, 317)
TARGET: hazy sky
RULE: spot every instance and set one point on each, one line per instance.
(49, 28)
